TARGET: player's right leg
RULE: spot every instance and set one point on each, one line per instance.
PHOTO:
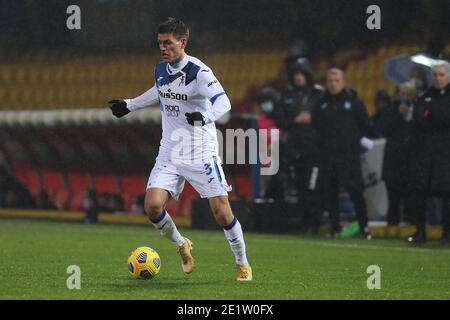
(155, 203)
(165, 182)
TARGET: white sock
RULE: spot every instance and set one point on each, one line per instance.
(167, 228)
(233, 233)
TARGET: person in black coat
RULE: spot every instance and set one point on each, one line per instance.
(395, 124)
(296, 107)
(294, 117)
(341, 121)
(431, 168)
(383, 103)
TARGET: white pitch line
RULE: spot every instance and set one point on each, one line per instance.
(374, 247)
(323, 243)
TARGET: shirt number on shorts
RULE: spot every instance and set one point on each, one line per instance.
(208, 168)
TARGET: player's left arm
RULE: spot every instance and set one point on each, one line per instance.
(210, 88)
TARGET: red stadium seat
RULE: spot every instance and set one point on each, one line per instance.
(61, 199)
(26, 176)
(105, 183)
(182, 207)
(244, 186)
(51, 181)
(78, 182)
(76, 201)
(133, 185)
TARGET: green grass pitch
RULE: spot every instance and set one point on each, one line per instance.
(34, 256)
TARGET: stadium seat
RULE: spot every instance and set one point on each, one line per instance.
(78, 182)
(61, 199)
(182, 206)
(76, 201)
(99, 76)
(105, 183)
(26, 176)
(133, 185)
(52, 180)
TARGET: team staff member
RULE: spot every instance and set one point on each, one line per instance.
(302, 153)
(341, 121)
(431, 170)
(395, 123)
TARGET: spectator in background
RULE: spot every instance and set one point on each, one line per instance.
(270, 186)
(396, 125)
(431, 168)
(91, 207)
(341, 121)
(302, 154)
(418, 77)
(382, 104)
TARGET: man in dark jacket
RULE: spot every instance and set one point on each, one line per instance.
(301, 152)
(341, 121)
(383, 104)
(431, 168)
(395, 123)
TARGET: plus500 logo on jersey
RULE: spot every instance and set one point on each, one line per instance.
(172, 111)
(173, 95)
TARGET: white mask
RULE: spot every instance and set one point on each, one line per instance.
(267, 106)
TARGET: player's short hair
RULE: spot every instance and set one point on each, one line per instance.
(175, 27)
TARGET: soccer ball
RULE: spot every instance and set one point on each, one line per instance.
(144, 263)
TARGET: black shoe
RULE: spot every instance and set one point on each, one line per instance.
(418, 237)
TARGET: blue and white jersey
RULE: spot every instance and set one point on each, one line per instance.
(190, 87)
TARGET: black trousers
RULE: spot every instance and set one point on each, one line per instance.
(398, 195)
(307, 173)
(332, 183)
(420, 210)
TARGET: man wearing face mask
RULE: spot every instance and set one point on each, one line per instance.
(295, 118)
(431, 168)
(266, 100)
(270, 186)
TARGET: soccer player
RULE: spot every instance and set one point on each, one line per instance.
(190, 99)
